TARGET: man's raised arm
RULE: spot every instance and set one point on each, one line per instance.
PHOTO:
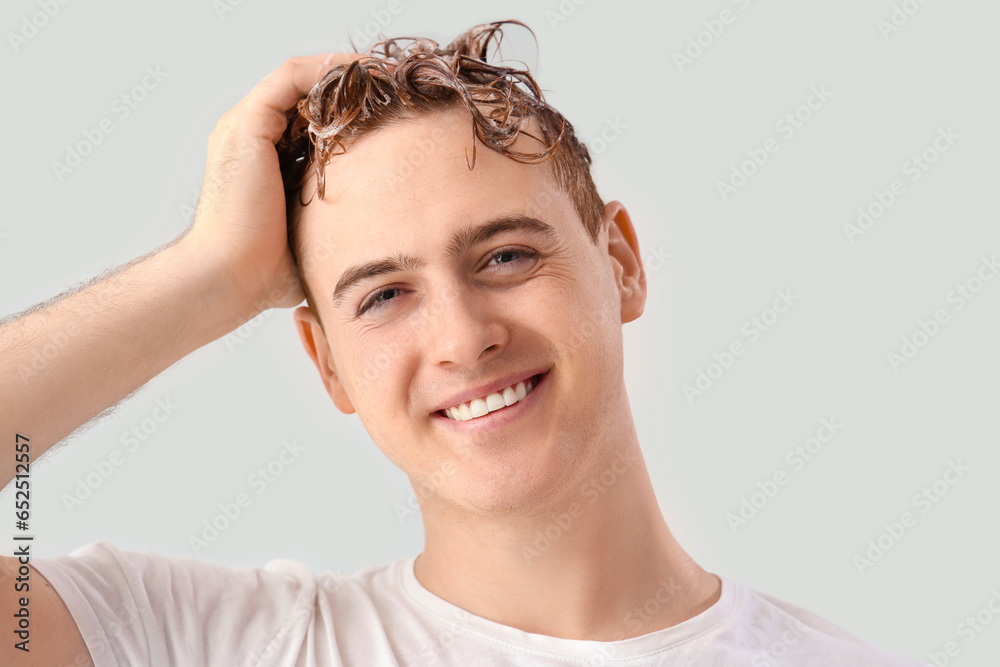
(105, 341)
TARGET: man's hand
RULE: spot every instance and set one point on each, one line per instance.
(241, 214)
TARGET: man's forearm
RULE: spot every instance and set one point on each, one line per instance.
(68, 362)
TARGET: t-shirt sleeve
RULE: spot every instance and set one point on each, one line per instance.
(138, 608)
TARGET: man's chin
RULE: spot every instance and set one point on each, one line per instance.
(499, 492)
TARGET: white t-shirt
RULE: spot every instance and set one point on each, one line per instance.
(144, 609)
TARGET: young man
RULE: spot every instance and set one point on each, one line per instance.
(466, 301)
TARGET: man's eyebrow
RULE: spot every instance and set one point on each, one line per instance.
(460, 242)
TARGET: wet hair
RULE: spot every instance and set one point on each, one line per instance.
(404, 78)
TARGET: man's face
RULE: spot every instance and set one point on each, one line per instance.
(464, 311)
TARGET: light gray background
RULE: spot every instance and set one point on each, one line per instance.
(337, 506)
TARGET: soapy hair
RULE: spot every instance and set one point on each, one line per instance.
(407, 77)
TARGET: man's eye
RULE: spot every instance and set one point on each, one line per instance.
(519, 255)
(518, 252)
(376, 301)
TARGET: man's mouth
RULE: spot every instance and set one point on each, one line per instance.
(498, 400)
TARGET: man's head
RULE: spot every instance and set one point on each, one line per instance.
(443, 283)
(406, 78)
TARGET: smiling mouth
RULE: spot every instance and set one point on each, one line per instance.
(480, 407)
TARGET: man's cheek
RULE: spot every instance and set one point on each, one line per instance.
(588, 332)
(376, 366)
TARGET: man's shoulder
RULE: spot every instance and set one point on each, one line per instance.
(105, 559)
(102, 565)
(142, 604)
(791, 630)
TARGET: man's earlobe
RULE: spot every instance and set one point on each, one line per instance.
(318, 348)
(623, 248)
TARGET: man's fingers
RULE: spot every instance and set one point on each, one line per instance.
(284, 87)
(305, 72)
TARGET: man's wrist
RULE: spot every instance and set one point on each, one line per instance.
(219, 301)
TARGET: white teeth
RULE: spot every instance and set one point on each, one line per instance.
(478, 407)
(509, 396)
(495, 402)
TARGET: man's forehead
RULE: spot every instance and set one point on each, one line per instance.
(412, 159)
(414, 175)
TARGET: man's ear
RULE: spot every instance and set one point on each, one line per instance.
(623, 248)
(314, 341)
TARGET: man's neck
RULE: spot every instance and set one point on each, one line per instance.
(599, 565)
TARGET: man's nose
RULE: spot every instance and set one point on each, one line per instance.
(462, 327)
